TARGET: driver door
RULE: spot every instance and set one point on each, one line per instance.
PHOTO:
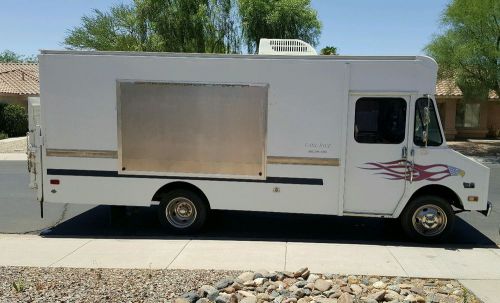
(377, 144)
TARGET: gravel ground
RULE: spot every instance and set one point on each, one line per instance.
(13, 145)
(100, 285)
(476, 149)
(28, 284)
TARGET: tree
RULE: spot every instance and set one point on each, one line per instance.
(202, 26)
(118, 29)
(469, 48)
(161, 25)
(224, 27)
(286, 19)
(329, 50)
(10, 56)
(193, 25)
(178, 23)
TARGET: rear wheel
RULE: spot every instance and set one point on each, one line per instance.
(182, 211)
(428, 218)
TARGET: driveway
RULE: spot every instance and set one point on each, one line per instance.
(19, 210)
(19, 213)
(489, 226)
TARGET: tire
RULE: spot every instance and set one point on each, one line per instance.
(438, 216)
(182, 211)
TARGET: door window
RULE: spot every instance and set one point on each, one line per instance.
(434, 137)
(380, 120)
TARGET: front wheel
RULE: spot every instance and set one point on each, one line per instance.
(428, 218)
(182, 211)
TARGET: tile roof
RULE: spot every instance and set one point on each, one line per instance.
(19, 78)
(448, 88)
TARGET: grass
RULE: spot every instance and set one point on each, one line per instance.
(18, 285)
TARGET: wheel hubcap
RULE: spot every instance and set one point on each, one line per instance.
(429, 220)
(181, 212)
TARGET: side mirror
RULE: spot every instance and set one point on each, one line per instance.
(427, 116)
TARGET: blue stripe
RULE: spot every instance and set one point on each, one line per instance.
(115, 174)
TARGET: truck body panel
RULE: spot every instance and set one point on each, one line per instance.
(297, 151)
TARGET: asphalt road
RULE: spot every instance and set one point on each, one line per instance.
(19, 213)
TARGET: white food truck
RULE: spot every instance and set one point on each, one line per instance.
(283, 131)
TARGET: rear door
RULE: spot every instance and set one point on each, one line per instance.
(377, 139)
(34, 148)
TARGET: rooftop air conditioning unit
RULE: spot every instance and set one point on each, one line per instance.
(293, 47)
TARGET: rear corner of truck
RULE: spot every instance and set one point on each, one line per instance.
(34, 148)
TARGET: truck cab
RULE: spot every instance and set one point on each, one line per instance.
(416, 177)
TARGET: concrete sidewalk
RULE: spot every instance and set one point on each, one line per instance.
(479, 267)
(13, 157)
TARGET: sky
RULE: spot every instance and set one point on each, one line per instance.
(355, 27)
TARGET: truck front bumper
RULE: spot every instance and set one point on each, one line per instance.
(488, 209)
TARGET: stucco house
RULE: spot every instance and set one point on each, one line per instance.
(466, 119)
(18, 81)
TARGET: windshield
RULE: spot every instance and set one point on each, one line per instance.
(434, 137)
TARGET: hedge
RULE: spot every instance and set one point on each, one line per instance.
(13, 120)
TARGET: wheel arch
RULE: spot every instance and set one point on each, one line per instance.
(441, 191)
(179, 185)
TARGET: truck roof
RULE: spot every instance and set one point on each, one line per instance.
(205, 55)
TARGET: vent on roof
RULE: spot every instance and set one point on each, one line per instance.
(285, 47)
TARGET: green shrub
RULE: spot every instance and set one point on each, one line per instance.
(2, 120)
(3, 136)
(13, 120)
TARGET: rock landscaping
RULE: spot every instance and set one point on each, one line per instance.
(304, 287)
(29, 284)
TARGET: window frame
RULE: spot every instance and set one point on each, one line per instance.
(394, 98)
(438, 122)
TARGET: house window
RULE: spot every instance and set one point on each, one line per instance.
(468, 115)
